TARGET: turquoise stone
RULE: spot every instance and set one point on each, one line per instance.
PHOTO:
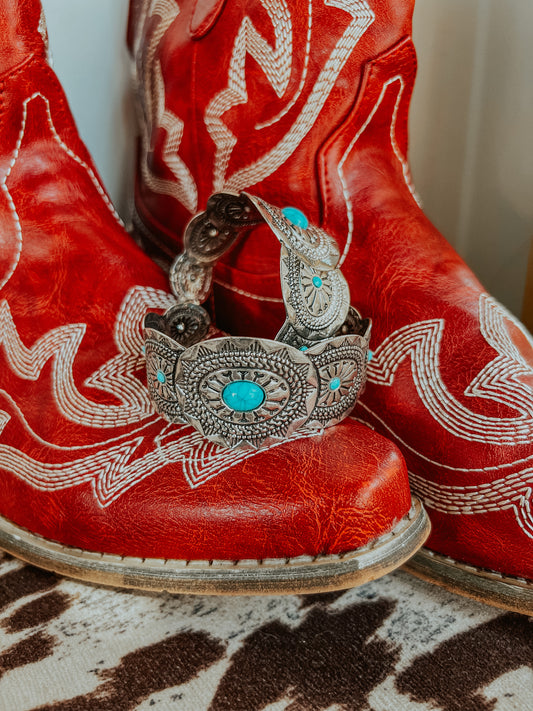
(161, 376)
(296, 217)
(243, 395)
(334, 384)
(317, 281)
(369, 356)
(304, 348)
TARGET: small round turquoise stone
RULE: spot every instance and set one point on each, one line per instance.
(304, 348)
(296, 217)
(334, 384)
(317, 281)
(243, 395)
(161, 376)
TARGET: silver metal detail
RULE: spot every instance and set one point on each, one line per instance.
(317, 302)
(312, 245)
(252, 392)
(341, 366)
(184, 323)
(190, 280)
(162, 355)
(287, 378)
(355, 325)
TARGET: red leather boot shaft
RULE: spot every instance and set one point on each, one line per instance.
(244, 98)
(306, 104)
(22, 32)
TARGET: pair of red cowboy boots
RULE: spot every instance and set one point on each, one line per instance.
(304, 104)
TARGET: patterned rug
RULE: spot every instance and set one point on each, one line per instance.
(397, 643)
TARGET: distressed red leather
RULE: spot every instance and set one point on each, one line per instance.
(84, 460)
(306, 104)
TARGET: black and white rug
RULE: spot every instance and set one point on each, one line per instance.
(397, 643)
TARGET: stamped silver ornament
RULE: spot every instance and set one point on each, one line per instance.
(252, 392)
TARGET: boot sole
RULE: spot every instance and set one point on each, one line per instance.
(304, 574)
(492, 588)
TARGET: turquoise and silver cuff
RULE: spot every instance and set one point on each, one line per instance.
(254, 392)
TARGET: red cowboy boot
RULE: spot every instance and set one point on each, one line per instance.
(305, 104)
(92, 482)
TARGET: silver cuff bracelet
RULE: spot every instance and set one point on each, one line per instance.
(253, 392)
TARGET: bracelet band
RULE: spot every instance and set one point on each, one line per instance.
(253, 392)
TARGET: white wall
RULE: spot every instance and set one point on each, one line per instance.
(471, 121)
(472, 133)
(87, 43)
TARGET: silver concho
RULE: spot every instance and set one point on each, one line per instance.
(312, 244)
(161, 359)
(341, 366)
(190, 280)
(279, 382)
(185, 324)
(207, 237)
(317, 302)
(232, 210)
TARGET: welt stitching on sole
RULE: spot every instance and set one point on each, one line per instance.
(243, 563)
(482, 572)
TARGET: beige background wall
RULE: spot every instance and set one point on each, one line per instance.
(471, 122)
(472, 133)
(87, 43)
